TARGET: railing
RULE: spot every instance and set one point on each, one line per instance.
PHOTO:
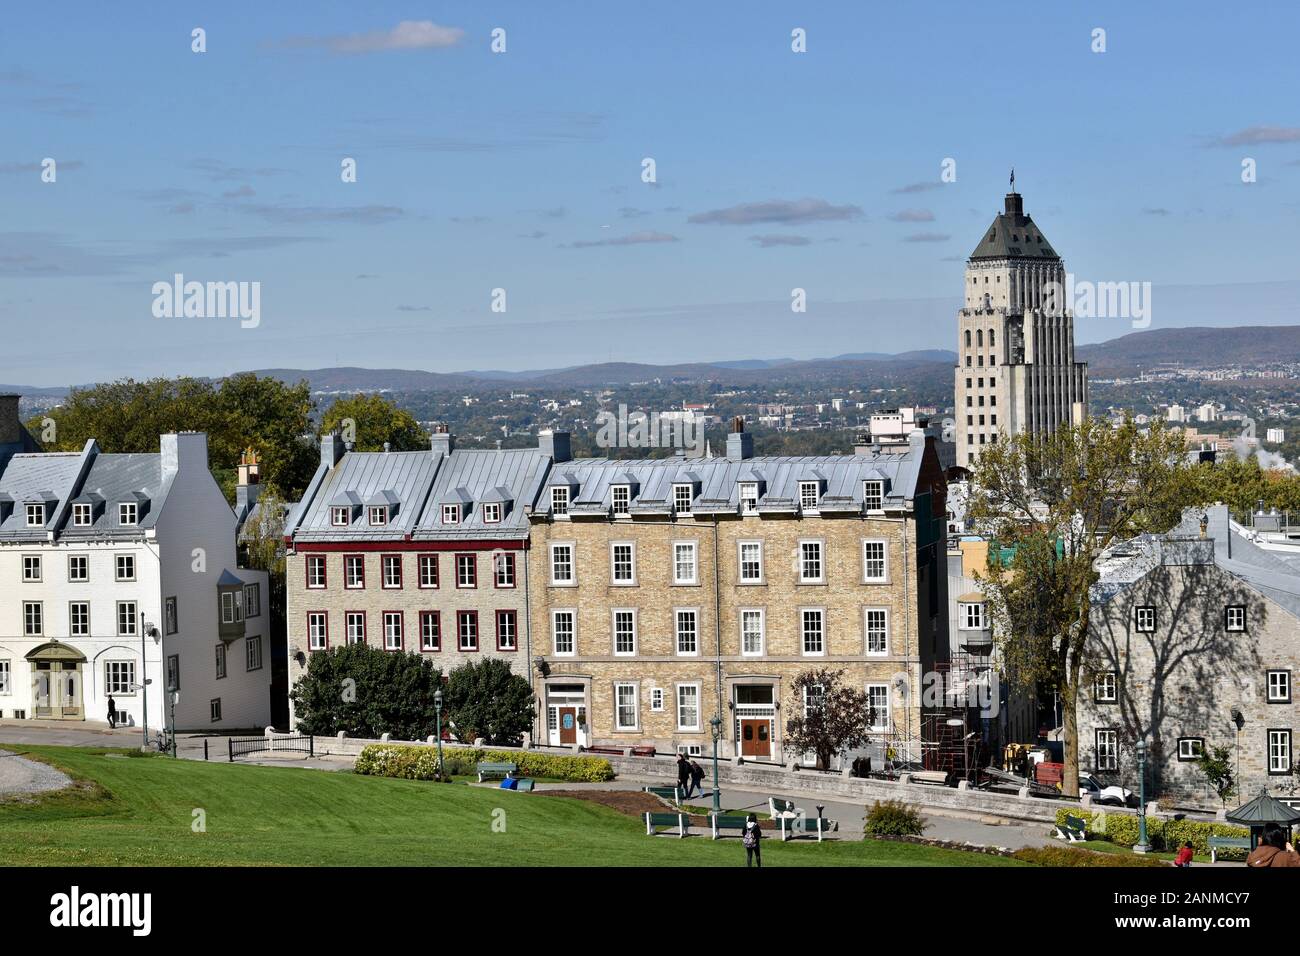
(239, 746)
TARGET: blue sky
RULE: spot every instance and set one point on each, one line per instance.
(522, 171)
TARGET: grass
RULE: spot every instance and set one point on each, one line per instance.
(139, 812)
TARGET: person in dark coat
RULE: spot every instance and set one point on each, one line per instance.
(697, 777)
(1273, 850)
(112, 712)
(753, 839)
(683, 775)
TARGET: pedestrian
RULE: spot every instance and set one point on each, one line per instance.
(752, 838)
(1273, 849)
(683, 775)
(697, 777)
(112, 712)
(1184, 857)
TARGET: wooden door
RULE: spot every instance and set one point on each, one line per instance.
(568, 725)
(755, 738)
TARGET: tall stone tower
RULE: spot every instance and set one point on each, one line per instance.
(1015, 338)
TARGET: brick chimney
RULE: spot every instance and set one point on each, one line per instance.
(249, 486)
(555, 445)
(11, 429)
(441, 442)
(740, 444)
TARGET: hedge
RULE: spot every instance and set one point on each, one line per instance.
(1167, 835)
(421, 763)
(1073, 856)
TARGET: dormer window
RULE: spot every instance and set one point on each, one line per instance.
(808, 494)
(127, 513)
(81, 516)
(560, 500)
(622, 498)
(749, 496)
(451, 514)
(378, 515)
(491, 512)
(35, 516)
(873, 495)
(340, 516)
(682, 499)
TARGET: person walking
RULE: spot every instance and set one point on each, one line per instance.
(112, 713)
(1184, 857)
(1273, 849)
(697, 777)
(753, 838)
(683, 775)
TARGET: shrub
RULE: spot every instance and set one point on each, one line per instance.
(485, 699)
(1166, 835)
(1072, 856)
(366, 692)
(421, 763)
(893, 818)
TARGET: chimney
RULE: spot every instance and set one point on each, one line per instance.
(555, 445)
(11, 429)
(740, 444)
(250, 482)
(183, 451)
(331, 449)
(441, 441)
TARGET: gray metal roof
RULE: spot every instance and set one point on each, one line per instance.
(512, 478)
(31, 476)
(115, 479)
(360, 476)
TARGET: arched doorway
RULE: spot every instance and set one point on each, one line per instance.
(56, 682)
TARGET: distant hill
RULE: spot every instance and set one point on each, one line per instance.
(1248, 345)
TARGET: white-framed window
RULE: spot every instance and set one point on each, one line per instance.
(749, 496)
(750, 557)
(35, 516)
(1191, 748)
(564, 632)
(6, 678)
(1279, 751)
(1144, 619)
(1107, 749)
(503, 566)
(451, 514)
(1106, 688)
(377, 515)
(252, 600)
(685, 566)
(812, 627)
(507, 631)
(232, 607)
(392, 630)
(752, 631)
(430, 631)
(1234, 618)
(624, 629)
(875, 564)
(559, 499)
(253, 653)
(126, 618)
(688, 706)
(31, 567)
(79, 619)
(657, 699)
(1279, 687)
(214, 709)
(173, 672)
(354, 571)
(621, 498)
(428, 564)
(875, 626)
(78, 568)
(125, 564)
(33, 618)
(127, 513)
(492, 512)
(625, 707)
(317, 631)
(814, 695)
(682, 495)
(119, 676)
(878, 706)
(808, 495)
(688, 631)
(340, 516)
(315, 571)
(811, 569)
(622, 562)
(971, 616)
(82, 515)
(562, 571)
(873, 495)
(467, 570)
(391, 568)
(355, 627)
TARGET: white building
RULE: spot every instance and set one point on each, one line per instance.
(118, 576)
(1176, 413)
(1207, 413)
(1275, 436)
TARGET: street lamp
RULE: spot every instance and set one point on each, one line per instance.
(715, 724)
(437, 714)
(1142, 845)
(175, 699)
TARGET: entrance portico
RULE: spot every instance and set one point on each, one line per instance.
(57, 681)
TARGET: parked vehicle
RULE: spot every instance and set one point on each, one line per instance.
(1104, 792)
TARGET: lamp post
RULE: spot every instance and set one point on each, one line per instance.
(175, 698)
(437, 715)
(1142, 845)
(715, 724)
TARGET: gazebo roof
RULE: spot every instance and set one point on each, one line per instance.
(1264, 809)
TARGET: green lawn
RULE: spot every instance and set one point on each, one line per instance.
(138, 812)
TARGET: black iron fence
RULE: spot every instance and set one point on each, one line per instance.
(239, 746)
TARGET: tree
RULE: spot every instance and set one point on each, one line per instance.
(485, 699)
(367, 692)
(1216, 764)
(837, 718)
(372, 420)
(1057, 501)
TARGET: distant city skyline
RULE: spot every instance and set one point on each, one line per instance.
(522, 171)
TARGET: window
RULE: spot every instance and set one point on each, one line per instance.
(492, 512)
(622, 560)
(971, 617)
(78, 567)
(340, 516)
(621, 497)
(170, 615)
(252, 600)
(876, 629)
(1107, 749)
(430, 631)
(1106, 688)
(1190, 748)
(392, 630)
(624, 627)
(688, 706)
(253, 654)
(1279, 751)
(688, 633)
(35, 516)
(1144, 618)
(562, 632)
(451, 514)
(467, 630)
(503, 563)
(79, 619)
(873, 495)
(684, 562)
(813, 628)
(810, 562)
(428, 570)
(1234, 617)
(1279, 687)
(751, 562)
(354, 571)
(751, 632)
(315, 571)
(562, 564)
(354, 629)
(33, 618)
(214, 709)
(466, 570)
(878, 707)
(874, 566)
(173, 672)
(119, 677)
(808, 494)
(391, 567)
(317, 631)
(126, 567)
(560, 500)
(126, 618)
(82, 516)
(31, 567)
(814, 695)
(625, 715)
(507, 631)
(6, 679)
(749, 496)
(232, 607)
(682, 499)
(378, 515)
(656, 699)
(126, 513)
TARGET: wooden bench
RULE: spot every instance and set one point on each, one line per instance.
(795, 826)
(1073, 830)
(643, 751)
(1226, 843)
(670, 820)
(935, 778)
(667, 793)
(488, 771)
(723, 821)
(611, 751)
